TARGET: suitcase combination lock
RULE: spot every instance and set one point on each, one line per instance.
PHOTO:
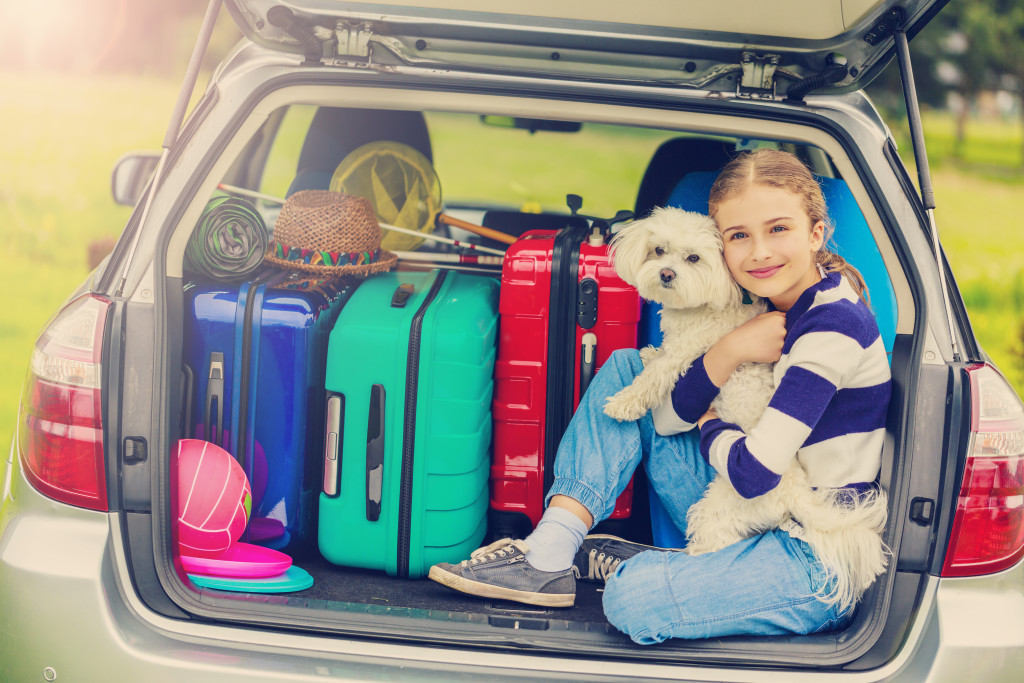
(586, 303)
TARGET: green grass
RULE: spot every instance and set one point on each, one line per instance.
(992, 149)
(61, 136)
(981, 233)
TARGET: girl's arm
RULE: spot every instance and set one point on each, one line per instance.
(823, 357)
(760, 340)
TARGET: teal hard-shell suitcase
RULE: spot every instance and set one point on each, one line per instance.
(409, 378)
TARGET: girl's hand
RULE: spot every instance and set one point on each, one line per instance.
(759, 340)
(710, 415)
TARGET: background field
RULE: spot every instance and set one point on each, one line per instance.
(60, 136)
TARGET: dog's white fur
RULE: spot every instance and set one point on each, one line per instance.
(674, 257)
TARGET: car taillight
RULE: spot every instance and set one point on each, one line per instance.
(988, 528)
(60, 432)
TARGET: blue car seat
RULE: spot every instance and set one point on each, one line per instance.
(852, 240)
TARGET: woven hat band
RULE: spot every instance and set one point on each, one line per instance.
(316, 257)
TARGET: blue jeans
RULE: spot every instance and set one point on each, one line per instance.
(764, 585)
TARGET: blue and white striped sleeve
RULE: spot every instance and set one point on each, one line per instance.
(819, 361)
(691, 397)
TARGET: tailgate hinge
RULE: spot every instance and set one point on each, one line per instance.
(353, 39)
(758, 79)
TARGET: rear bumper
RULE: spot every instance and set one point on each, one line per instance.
(64, 607)
(975, 632)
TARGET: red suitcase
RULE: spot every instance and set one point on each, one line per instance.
(563, 310)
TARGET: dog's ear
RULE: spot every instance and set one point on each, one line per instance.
(629, 249)
(723, 290)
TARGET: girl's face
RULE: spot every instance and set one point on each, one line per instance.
(770, 243)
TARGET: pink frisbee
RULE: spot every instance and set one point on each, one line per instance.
(241, 560)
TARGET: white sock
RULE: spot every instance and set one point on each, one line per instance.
(553, 544)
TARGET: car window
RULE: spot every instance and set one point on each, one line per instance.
(488, 164)
(533, 171)
(283, 159)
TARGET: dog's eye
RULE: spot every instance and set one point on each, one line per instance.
(693, 258)
(659, 251)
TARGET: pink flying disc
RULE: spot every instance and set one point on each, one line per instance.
(242, 560)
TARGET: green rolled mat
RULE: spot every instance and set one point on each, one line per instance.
(229, 242)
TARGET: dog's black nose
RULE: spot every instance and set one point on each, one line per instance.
(667, 275)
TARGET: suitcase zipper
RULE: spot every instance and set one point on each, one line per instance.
(240, 347)
(243, 380)
(243, 393)
(412, 368)
(565, 264)
(256, 290)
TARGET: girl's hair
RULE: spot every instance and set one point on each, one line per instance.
(777, 168)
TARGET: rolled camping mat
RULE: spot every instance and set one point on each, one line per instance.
(229, 241)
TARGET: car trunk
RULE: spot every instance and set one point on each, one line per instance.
(345, 600)
(369, 603)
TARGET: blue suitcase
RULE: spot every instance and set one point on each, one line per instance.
(257, 353)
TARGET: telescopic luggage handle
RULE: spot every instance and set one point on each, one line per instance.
(575, 203)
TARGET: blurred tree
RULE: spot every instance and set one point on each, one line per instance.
(1009, 53)
(973, 41)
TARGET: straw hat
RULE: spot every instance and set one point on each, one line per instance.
(330, 234)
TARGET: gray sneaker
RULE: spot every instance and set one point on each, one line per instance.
(500, 570)
(601, 554)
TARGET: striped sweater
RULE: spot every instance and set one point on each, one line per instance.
(828, 410)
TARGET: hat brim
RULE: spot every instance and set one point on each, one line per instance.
(386, 262)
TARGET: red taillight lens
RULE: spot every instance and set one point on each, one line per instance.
(988, 528)
(60, 432)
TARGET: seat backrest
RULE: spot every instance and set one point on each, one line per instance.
(852, 239)
(672, 161)
(336, 131)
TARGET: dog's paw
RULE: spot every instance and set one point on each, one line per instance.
(701, 543)
(648, 353)
(624, 407)
(695, 548)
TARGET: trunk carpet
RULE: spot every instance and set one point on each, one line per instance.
(364, 586)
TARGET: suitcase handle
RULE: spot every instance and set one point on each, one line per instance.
(375, 453)
(332, 443)
(588, 356)
(402, 295)
(188, 382)
(212, 424)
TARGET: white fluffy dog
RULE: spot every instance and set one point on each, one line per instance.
(674, 257)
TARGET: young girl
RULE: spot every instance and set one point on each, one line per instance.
(828, 411)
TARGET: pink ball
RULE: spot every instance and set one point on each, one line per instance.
(214, 499)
